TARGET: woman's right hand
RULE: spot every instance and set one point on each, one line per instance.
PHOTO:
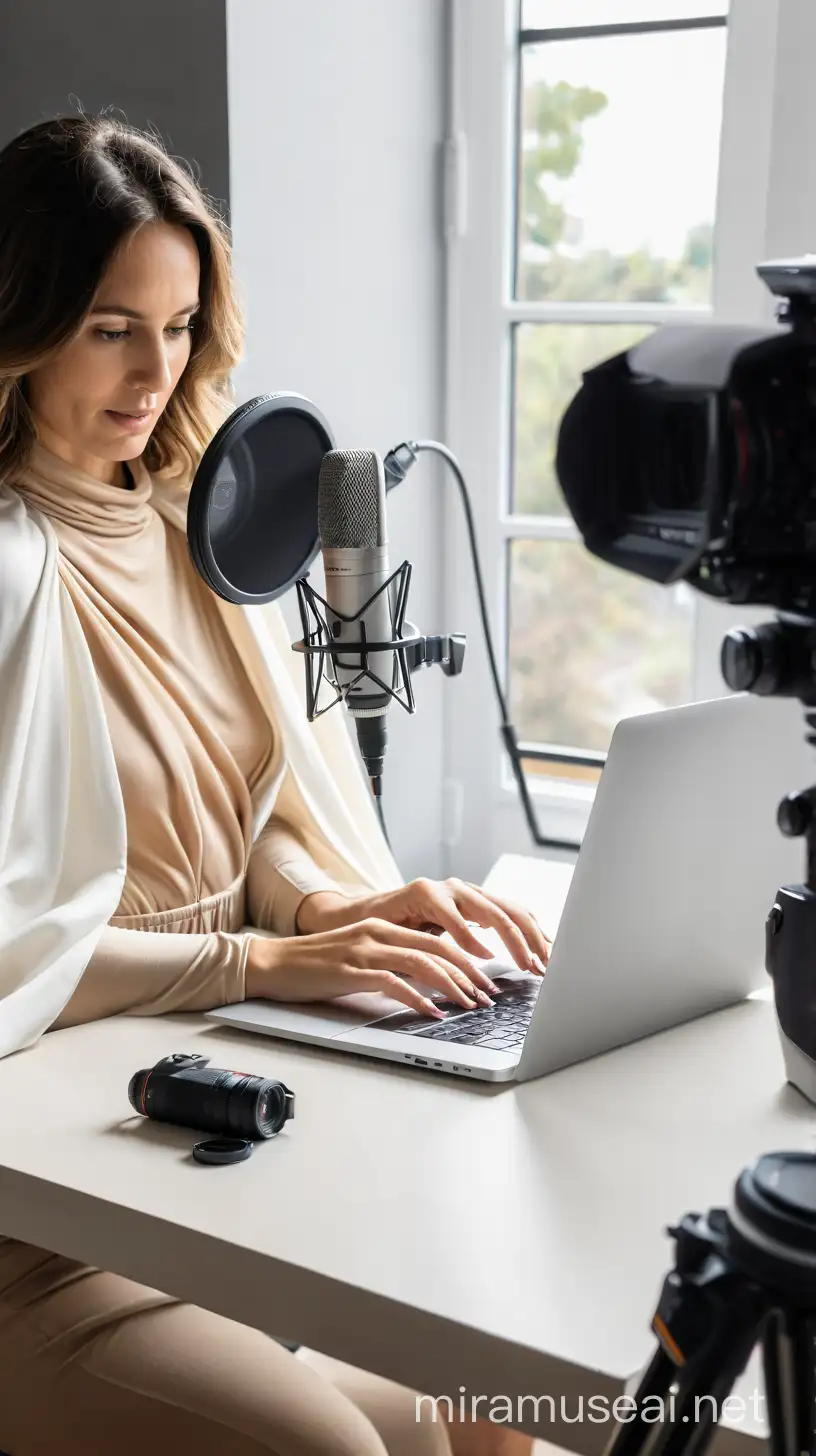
(372, 955)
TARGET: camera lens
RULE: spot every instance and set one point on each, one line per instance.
(248, 1107)
(213, 1099)
(136, 1088)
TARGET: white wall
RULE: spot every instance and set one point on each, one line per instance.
(336, 116)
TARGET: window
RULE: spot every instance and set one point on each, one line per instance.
(616, 180)
(612, 165)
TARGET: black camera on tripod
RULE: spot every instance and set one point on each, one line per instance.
(692, 457)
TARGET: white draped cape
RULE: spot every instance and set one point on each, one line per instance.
(63, 844)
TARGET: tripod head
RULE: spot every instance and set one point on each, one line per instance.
(743, 1276)
(778, 659)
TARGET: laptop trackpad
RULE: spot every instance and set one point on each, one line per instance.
(340, 1015)
(321, 1018)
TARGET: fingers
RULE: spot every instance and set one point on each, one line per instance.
(481, 986)
(458, 967)
(452, 920)
(424, 958)
(440, 974)
(399, 990)
(523, 940)
(538, 941)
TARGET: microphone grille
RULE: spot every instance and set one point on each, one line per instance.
(351, 499)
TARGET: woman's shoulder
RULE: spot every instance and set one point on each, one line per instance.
(25, 551)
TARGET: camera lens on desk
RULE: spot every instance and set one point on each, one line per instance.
(187, 1091)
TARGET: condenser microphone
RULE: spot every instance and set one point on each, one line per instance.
(354, 544)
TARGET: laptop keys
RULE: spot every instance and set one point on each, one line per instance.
(502, 1027)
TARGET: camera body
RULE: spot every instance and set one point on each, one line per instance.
(184, 1089)
(692, 456)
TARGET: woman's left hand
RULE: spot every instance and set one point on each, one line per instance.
(438, 905)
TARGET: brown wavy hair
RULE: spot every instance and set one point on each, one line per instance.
(71, 190)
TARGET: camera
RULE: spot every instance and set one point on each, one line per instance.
(186, 1090)
(692, 457)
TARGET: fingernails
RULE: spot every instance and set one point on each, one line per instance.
(434, 1011)
(539, 965)
(483, 999)
(493, 988)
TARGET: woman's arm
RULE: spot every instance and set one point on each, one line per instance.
(149, 972)
(281, 875)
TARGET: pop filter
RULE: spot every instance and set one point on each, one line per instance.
(252, 511)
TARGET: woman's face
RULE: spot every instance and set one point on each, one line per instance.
(97, 402)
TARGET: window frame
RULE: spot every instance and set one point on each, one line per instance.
(759, 214)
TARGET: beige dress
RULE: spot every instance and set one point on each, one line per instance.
(92, 1364)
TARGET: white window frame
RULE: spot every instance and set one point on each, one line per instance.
(766, 207)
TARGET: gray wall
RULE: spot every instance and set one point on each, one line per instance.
(336, 114)
(161, 63)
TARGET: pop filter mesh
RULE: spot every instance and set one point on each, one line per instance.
(252, 512)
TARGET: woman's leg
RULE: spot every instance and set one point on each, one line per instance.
(394, 1411)
(406, 1423)
(91, 1364)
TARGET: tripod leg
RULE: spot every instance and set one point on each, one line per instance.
(690, 1414)
(788, 1357)
(630, 1437)
(696, 1409)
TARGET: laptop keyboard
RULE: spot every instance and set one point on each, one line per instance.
(500, 1028)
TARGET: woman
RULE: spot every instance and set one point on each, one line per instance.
(195, 821)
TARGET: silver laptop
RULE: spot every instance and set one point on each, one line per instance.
(663, 919)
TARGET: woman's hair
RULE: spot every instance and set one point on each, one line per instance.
(71, 190)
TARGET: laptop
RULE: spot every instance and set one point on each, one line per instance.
(664, 915)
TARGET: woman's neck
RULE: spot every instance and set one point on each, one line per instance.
(110, 472)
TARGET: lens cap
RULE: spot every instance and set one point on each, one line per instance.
(222, 1150)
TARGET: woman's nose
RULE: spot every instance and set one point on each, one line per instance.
(151, 371)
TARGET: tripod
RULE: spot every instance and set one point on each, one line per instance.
(778, 659)
(745, 1277)
(742, 1277)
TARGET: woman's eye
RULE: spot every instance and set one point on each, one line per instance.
(112, 335)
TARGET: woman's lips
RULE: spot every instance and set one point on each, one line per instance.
(129, 421)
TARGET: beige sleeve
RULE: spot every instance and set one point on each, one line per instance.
(280, 875)
(148, 972)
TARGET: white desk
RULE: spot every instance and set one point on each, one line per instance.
(509, 1240)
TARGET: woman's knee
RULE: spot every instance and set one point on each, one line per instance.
(410, 1424)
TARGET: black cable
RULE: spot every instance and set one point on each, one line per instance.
(398, 463)
(381, 817)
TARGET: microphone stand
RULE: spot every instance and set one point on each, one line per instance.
(410, 651)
